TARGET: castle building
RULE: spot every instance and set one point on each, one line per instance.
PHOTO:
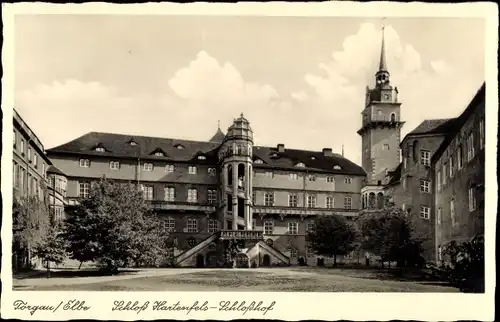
(221, 189)
(442, 176)
(380, 134)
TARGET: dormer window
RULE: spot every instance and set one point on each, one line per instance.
(337, 167)
(274, 155)
(132, 143)
(258, 161)
(100, 149)
(179, 146)
(313, 158)
(300, 165)
(159, 154)
(202, 157)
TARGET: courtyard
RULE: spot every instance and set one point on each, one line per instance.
(291, 279)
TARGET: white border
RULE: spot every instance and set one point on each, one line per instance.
(289, 306)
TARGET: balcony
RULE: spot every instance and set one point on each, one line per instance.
(302, 211)
(182, 206)
(242, 234)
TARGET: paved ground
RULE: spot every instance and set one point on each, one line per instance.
(260, 279)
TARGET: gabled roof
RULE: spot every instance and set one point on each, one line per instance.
(121, 147)
(395, 175)
(476, 102)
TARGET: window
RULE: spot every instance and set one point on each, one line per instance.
(311, 201)
(268, 227)
(192, 226)
(269, 198)
(481, 134)
(470, 147)
(100, 149)
(21, 179)
(169, 193)
(452, 212)
(293, 253)
(337, 167)
(170, 224)
(439, 214)
(212, 196)
(451, 167)
(159, 153)
(132, 143)
(292, 200)
(258, 161)
(58, 214)
(148, 167)
(115, 165)
(84, 189)
(425, 157)
(472, 199)
(178, 146)
(84, 163)
(213, 226)
(35, 160)
(192, 195)
(192, 170)
(147, 192)
(310, 227)
(202, 157)
(22, 146)
(15, 138)
(425, 212)
(438, 178)
(404, 162)
(169, 168)
(405, 183)
(425, 186)
(294, 176)
(15, 174)
(460, 154)
(29, 154)
(329, 202)
(268, 174)
(293, 228)
(309, 251)
(254, 197)
(330, 179)
(444, 174)
(169, 253)
(348, 180)
(254, 224)
(300, 165)
(386, 147)
(403, 207)
(312, 177)
(211, 172)
(347, 202)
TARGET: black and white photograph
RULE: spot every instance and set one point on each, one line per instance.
(252, 153)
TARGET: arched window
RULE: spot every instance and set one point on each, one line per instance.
(371, 200)
(230, 175)
(393, 117)
(241, 175)
(380, 200)
(415, 150)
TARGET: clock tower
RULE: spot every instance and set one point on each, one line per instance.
(380, 133)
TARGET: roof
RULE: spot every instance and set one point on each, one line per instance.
(119, 145)
(53, 169)
(461, 120)
(395, 175)
(218, 137)
(432, 127)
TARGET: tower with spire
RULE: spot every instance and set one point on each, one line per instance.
(380, 132)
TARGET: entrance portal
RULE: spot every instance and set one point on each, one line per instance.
(200, 261)
(212, 259)
(241, 260)
(266, 260)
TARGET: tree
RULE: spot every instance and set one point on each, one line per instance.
(51, 248)
(115, 227)
(332, 236)
(390, 234)
(30, 222)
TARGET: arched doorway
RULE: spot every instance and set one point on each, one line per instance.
(380, 200)
(200, 261)
(241, 260)
(371, 200)
(266, 260)
(212, 259)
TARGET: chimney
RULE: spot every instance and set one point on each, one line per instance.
(327, 152)
(281, 148)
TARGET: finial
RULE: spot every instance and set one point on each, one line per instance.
(342, 150)
(241, 115)
(218, 124)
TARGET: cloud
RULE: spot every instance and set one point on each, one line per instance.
(340, 87)
(299, 96)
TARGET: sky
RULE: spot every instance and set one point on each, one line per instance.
(300, 81)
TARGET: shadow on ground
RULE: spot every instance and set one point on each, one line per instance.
(69, 273)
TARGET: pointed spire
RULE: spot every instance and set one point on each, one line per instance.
(383, 64)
